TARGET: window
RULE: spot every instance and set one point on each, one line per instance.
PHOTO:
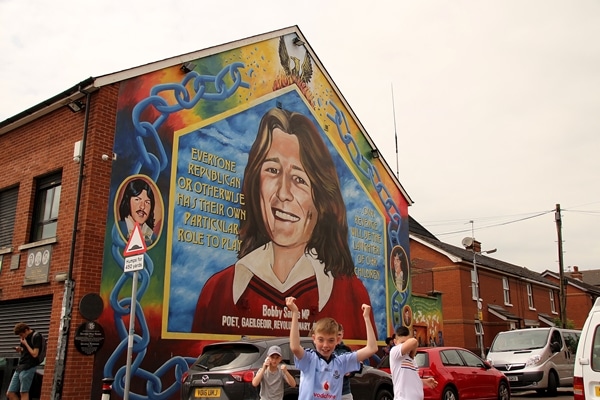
(530, 296)
(8, 208)
(450, 358)
(47, 200)
(506, 290)
(479, 335)
(471, 360)
(572, 341)
(552, 305)
(474, 293)
(596, 350)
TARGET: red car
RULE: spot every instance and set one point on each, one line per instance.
(460, 375)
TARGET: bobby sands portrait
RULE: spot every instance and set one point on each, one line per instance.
(294, 239)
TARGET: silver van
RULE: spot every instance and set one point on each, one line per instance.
(541, 359)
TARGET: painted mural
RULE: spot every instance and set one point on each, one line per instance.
(250, 182)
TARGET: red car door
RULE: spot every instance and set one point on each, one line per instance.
(481, 378)
(460, 373)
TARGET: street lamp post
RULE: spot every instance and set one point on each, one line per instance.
(471, 242)
(477, 297)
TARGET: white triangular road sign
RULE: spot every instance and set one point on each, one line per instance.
(136, 244)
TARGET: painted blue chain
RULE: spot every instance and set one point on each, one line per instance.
(392, 210)
(153, 165)
(367, 168)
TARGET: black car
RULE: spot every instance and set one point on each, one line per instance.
(225, 370)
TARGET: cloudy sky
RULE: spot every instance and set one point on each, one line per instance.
(495, 104)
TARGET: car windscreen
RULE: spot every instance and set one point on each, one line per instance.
(520, 340)
(228, 356)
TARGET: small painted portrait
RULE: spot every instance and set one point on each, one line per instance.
(399, 268)
(139, 201)
(406, 316)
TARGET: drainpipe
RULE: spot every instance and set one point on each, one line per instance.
(67, 304)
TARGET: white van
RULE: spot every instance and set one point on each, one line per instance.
(586, 379)
(541, 359)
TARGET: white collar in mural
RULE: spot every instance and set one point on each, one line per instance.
(259, 262)
(147, 232)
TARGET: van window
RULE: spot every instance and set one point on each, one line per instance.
(556, 338)
(521, 340)
(596, 350)
(571, 341)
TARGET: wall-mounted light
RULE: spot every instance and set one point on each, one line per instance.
(187, 66)
(61, 277)
(76, 106)
(298, 42)
(108, 157)
(77, 151)
(375, 153)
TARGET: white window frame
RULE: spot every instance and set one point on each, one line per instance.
(552, 303)
(474, 294)
(530, 297)
(479, 333)
(506, 291)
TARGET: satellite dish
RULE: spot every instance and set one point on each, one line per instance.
(467, 242)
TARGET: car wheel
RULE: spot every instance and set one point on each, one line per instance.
(449, 394)
(503, 391)
(384, 394)
(552, 385)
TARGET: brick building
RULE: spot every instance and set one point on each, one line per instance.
(53, 208)
(510, 297)
(70, 162)
(580, 295)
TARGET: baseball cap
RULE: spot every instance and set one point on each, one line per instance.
(274, 350)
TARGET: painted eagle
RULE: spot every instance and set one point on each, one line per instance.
(304, 73)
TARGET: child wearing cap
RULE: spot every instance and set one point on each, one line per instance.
(270, 376)
(321, 370)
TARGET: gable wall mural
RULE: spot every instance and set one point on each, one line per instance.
(250, 181)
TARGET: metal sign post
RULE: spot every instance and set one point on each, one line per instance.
(135, 249)
(131, 332)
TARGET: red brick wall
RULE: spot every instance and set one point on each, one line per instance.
(46, 145)
(579, 303)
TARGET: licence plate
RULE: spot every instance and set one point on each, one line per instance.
(597, 391)
(207, 392)
(512, 378)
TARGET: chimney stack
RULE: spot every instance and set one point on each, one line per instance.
(576, 274)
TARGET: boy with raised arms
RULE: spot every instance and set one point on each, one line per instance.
(321, 371)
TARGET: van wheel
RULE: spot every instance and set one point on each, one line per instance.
(552, 385)
(503, 391)
(449, 394)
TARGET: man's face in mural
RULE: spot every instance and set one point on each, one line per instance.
(140, 206)
(397, 264)
(286, 193)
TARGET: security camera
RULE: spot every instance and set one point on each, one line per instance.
(105, 157)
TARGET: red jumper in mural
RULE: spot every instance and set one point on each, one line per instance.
(294, 240)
